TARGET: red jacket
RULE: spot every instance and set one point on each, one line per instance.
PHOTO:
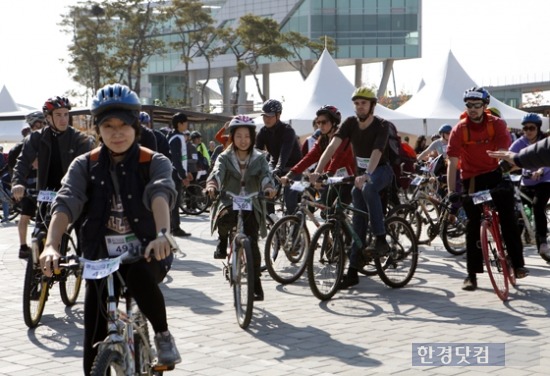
(343, 157)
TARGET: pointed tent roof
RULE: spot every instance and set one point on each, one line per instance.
(7, 104)
(440, 100)
(326, 84)
(10, 130)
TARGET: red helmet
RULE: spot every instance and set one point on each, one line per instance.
(332, 112)
(54, 103)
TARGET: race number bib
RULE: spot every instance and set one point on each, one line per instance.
(118, 244)
(481, 197)
(362, 163)
(242, 203)
(341, 172)
(100, 268)
(46, 196)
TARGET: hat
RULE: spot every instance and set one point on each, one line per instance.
(187, 133)
(25, 126)
(128, 117)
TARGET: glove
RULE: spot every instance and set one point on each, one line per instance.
(454, 197)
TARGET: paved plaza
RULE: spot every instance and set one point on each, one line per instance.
(371, 329)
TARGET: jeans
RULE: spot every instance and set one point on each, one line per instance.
(368, 199)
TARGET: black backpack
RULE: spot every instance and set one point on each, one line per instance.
(394, 148)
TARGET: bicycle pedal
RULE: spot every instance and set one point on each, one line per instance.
(162, 368)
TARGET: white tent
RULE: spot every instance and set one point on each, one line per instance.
(327, 85)
(10, 130)
(440, 100)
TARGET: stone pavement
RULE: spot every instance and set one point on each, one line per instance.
(367, 330)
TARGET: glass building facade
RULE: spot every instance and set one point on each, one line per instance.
(365, 31)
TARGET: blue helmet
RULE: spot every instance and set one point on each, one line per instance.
(532, 118)
(115, 97)
(144, 117)
(477, 93)
(272, 107)
(445, 128)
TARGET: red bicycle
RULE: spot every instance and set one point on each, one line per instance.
(494, 251)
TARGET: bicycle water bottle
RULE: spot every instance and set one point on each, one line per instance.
(528, 212)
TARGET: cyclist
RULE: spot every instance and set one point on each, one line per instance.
(52, 148)
(162, 145)
(439, 146)
(342, 162)
(477, 132)
(535, 182)
(120, 207)
(35, 121)
(240, 167)
(181, 155)
(369, 136)
(281, 143)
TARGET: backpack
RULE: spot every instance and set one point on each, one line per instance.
(396, 153)
(466, 133)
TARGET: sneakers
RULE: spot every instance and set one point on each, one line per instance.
(379, 249)
(521, 272)
(179, 232)
(221, 249)
(24, 251)
(470, 284)
(167, 352)
(348, 281)
(544, 251)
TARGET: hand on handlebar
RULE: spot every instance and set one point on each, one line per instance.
(18, 192)
(48, 258)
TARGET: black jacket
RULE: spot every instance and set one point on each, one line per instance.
(282, 145)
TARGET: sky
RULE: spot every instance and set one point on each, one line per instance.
(496, 42)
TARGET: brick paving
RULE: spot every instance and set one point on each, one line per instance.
(366, 330)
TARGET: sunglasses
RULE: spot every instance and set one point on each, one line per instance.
(474, 105)
(321, 122)
(525, 129)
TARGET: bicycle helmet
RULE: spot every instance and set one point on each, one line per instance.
(332, 112)
(144, 117)
(241, 121)
(364, 93)
(35, 116)
(445, 128)
(477, 93)
(116, 100)
(55, 103)
(271, 107)
(195, 134)
(494, 111)
(532, 118)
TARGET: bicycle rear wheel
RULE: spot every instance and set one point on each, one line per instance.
(495, 260)
(325, 262)
(453, 234)
(193, 200)
(286, 249)
(243, 282)
(108, 362)
(397, 267)
(70, 280)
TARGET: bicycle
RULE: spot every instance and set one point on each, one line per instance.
(127, 350)
(326, 254)
(37, 286)
(239, 270)
(494, 251)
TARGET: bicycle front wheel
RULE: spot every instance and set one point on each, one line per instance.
(286, 249)
(397, 267)
(495, 260)
(243, 282)
(71, 280)
(109, 362)
(410, 214)
(35, 294)
(325, 262)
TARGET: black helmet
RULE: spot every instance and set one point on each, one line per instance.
(54, 103)
(332, 112)
(195, 134)
(272, 107)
